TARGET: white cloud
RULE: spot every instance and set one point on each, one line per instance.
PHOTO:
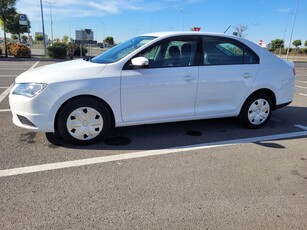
(113, 7)
(284, 10)
(95, 8)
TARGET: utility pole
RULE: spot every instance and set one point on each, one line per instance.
(292, 29)
(51, 22)
(181, 11)
(44, 37)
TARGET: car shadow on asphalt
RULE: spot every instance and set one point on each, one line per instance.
(188, 133)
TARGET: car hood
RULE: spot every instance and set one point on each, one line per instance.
(64, 71)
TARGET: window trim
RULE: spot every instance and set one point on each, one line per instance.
(241, 45)
(127, 65)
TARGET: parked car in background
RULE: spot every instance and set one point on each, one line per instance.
(26, 43)
(153, 78)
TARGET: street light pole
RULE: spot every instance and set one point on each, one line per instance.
(181, 11)
(283, 38)
(44, 38)
(51, 22)
(150, 26)
(104, 34)
(292, 29)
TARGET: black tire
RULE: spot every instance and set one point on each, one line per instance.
(256, 111)
(83, 121)
(54, 138)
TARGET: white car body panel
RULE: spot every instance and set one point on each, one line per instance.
(72, 70)
(222, 89)
(153, 94)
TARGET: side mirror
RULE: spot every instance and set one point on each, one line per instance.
(140, 62)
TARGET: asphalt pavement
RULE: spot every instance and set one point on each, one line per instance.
(207, 174)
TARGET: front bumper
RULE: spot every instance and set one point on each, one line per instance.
(31, 113)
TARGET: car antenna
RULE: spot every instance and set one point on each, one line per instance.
(227, 29)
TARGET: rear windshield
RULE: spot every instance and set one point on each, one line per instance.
(122, 50)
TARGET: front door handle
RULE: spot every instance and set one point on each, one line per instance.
(188, 78)
(246, 75)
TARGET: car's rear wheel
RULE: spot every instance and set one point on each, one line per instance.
(83, 121)
(256, 110)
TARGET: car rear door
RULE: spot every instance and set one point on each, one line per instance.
(227, 73)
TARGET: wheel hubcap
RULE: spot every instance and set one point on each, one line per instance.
(259, 111)
(84, 123)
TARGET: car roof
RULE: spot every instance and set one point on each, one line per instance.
(179, 33)
(161, 35)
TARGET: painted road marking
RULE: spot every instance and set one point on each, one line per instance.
(134, 155)
(301, 127)
(7, 91)
(33, 66)
(302, 81)
(5, 110)
(22, 69)
(303, 94)
(8, 75)
(301, 87)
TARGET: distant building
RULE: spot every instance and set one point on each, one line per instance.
(85, 36)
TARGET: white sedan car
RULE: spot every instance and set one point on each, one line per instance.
(153, 78)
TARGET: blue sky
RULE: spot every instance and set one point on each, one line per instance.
(122, 19)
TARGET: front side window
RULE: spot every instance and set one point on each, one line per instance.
(171, 53)
(219, 51)
(122, 50)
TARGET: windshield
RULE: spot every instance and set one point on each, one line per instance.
(122, 50)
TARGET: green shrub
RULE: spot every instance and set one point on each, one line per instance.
(77, 51)
(283, 51)
(57, 50)
(302, 51)
(19, 51)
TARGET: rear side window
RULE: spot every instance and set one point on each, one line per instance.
(224, 51)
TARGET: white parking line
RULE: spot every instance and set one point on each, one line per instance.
(301, 127)
(5, 75)
(21, 69)
(303, 94)
(7, 91)
(301, 87)
(305, 82)
(33, 66)
(105, 159)
(5, 110)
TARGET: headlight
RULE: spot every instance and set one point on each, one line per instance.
(29, 89)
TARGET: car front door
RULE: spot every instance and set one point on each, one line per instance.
(164, 90)
(228, 72)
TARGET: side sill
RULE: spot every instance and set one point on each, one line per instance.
(282, 105)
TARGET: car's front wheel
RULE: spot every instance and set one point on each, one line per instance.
(256, 110)
(83, 121)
